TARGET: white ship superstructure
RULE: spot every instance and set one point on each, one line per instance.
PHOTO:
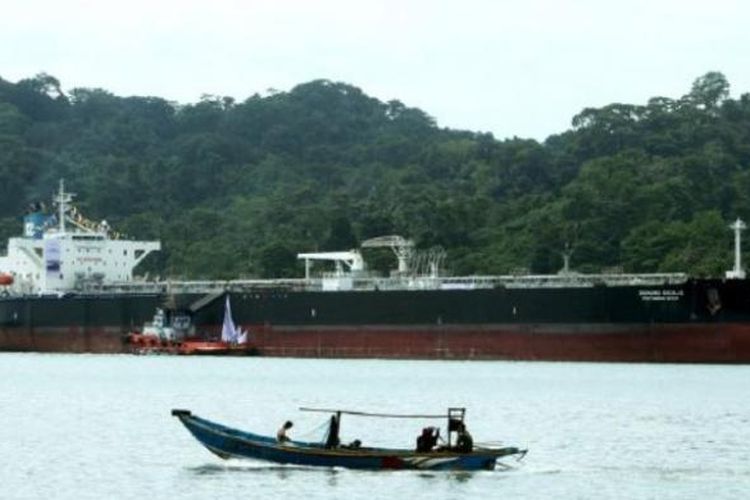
(65, 252)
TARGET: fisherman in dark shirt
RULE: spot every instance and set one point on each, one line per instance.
(333, 440)
(464, 441)
(428, 439)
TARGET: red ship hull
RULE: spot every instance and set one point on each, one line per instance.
(69, 339)
(679, 343)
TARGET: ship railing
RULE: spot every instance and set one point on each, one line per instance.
(565, 280)
(201, 286)
(368, 283)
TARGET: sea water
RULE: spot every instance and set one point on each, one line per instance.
(99, 426)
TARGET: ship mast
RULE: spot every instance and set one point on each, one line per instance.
(62, 200)
(737, 272)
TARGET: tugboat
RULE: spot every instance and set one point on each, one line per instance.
(172, 332)
(163, 335)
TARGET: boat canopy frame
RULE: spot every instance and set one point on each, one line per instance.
(455, 415)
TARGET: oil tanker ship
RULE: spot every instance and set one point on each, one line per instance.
(69, 287)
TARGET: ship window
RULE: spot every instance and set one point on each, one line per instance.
(124, 252)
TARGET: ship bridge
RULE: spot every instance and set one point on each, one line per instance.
(64, 251)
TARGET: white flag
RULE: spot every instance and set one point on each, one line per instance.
(228, 331)
(242, 338)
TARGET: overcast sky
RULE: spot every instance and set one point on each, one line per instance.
(514, 68)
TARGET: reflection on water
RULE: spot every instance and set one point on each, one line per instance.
(461, 477)
(255, 468)
(331, 475)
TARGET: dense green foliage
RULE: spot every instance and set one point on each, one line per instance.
(238, 188)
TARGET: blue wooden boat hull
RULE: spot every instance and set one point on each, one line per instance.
(227, 442)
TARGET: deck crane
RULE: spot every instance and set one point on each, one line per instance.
(352, 259)
(401, 247)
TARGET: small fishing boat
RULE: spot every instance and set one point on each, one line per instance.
(227, 442)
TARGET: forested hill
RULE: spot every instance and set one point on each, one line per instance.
(238, 188)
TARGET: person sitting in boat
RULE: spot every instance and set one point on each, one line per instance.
(354, 445)
(464, 441)
(333, 440)
(281, 436)
(428, 439)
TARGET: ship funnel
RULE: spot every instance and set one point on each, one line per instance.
(33, 225)
(737, 273)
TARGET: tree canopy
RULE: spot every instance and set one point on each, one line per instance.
(238, 188)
